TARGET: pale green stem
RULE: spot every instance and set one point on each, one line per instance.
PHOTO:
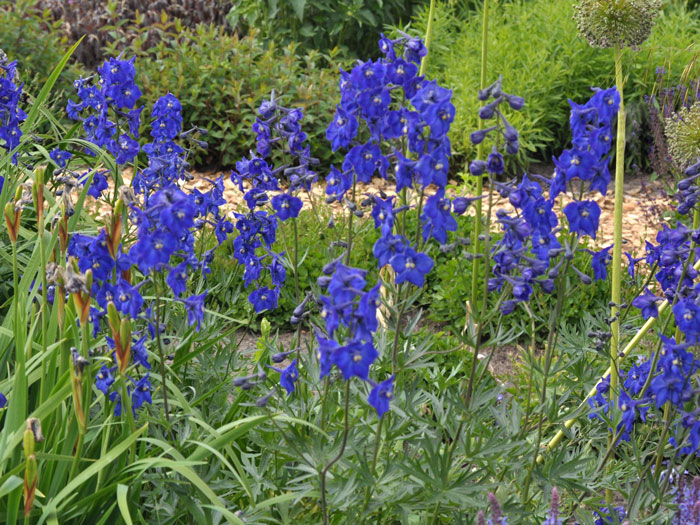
(617, 242)
(479, 180)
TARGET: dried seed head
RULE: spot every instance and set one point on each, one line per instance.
(34, 425)
(682, 131)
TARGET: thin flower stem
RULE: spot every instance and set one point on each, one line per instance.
(479, 180)
(617, 242)
(295, 260)
(354, 191)
(161, 354)
(397, 333)
(324, 472)
(551, 340)
(377, 441)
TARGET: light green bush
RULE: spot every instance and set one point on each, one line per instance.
(535, 46)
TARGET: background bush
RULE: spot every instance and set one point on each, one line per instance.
(536, 47)
(221, 78)
(353, 26)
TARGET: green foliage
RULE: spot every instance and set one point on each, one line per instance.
(32, 37)
(221, 79)
(535, 46)
(350, 25)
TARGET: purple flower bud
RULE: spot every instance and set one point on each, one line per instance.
(693, 170)
(495, 508)
(264, 400)
(460, 205)
(477, 167)
(489, 110)
(515, 102)
(477, 137)
(512, 147)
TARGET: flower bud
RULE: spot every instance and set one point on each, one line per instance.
(477, 167)
(264, 400)
(478, 136)
(515, 102)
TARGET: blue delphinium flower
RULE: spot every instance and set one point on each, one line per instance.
(11, 115)
(194, 306)
(599, 263)
(605, 517)
(583, 217)
(107, 109)
(647, 303)
(411, 266)
(141, 393)
(3, 400)
(380, 396)
(288, 376)
(286, 206)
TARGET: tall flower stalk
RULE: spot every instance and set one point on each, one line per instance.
(476, 244)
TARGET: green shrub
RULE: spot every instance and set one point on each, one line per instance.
(535, 46)
(30, 36)
(221, 80)
(350, 25)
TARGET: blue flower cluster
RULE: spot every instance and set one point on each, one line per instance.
(671, 383)
(276, 126)
(588, 159)
(165, 217)
(688, 500)
(523, 256)
(494, 165)
(384, 104)
(350, 315)
(11, 115)
(108, 112)
(528, 253)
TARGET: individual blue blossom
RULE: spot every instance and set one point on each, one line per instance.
(139, 354)
(599, 263)
(286, 206)
(411, 266)
(194, 306)
(583, 217)
(264, 299)
(141, 393)
(177, 278)
(647, 303)
(127, 299)
(60, 157)
(355, 358)
(380, 396)
(288, 377)
(437, 217)
(104, 379)
(3, 400)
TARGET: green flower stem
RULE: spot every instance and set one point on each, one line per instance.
(428, 37)
(324, 472)
(295, 262)
(44, 312)
(617, 240)
(161, 354)
(479, 180)
(551, 341)
(377, 441)
(20, 391)
(354, 192)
